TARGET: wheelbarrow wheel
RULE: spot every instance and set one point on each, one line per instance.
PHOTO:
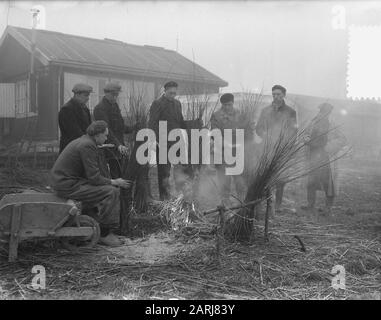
(74, 243)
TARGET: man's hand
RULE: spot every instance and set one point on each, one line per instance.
(123, 150)
(122, 183)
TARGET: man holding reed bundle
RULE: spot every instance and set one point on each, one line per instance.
(108, 110)
(276, 120)
(227, 118)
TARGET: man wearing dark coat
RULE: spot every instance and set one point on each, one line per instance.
(77, 175)
(274, 120)
(323, 142)
(228, 117)
(108, 110)
(74, 116)
(168, 109)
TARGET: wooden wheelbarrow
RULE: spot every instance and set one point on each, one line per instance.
(25, 216)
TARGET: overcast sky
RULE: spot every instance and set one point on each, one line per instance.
(249, 44)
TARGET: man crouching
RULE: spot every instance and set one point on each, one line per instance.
(76, 175)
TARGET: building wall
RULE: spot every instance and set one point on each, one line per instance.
(18, 115)
(53, 89)
(7, 100)
(48, 104)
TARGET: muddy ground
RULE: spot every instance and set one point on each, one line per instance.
(167, 264)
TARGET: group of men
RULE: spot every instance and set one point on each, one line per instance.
(276, 120)
(88, 166)
(83, 170)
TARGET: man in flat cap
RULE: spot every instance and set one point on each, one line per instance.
(323, 142)
(74, 116)
(227, 117)
(77, 175)
(168, 109)
(274, 120)
(108, 110)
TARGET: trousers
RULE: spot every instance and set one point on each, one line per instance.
(105, 198)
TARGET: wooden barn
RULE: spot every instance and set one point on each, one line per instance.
(30, 101)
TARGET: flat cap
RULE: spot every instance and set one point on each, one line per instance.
(227, 97)
(171, 84)
(112, 87)
(82, 87)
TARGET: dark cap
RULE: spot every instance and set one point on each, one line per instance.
(82, 87)
(279, 87)
(171, 84)
(112, 87)
(227, 97)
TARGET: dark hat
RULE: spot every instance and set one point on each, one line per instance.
(279, 87)
(325, 107)
(227, 97)
(171, 84)
(112, 87)
(82, 87)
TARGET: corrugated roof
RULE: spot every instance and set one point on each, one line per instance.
(107, 54)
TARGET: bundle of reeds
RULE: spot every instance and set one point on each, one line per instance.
(182, 216)
(138, 110)
(196, 106)
(176, 212)
(137, 117)
(248, 108)
(282, 160)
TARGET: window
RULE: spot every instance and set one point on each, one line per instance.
(22, 98)
(33, 107)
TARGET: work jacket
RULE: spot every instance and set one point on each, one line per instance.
(73, 120)
(274, 121)
(164, 109)
(325, 145)
(225, 119)
(110, 112)
(78, 164)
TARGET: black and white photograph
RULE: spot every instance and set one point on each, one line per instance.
(190, 155)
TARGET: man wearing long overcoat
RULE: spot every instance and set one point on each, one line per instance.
(74, 116)
(168, 109)
(108, 110)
